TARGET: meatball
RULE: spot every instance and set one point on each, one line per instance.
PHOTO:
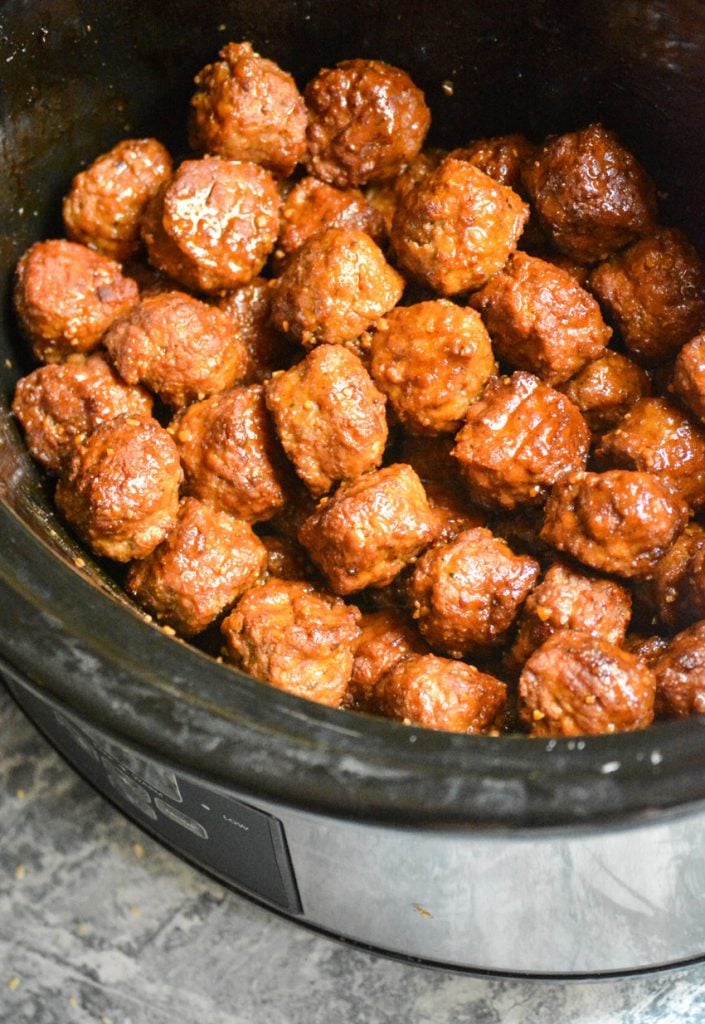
(689, 375)
(590, 194)
(295, 638)
(246, 108)
(619, 522)
(519, 439)
(179, 347)
(438, 693)
(106, 202)
(329, 417)
(214, 223)
(230, 454)
(120, 489)
(567, 598)
(680, 675)
(657, 437)
(647, 648)
(606, 389)
(57, 405)
(66, 296)
(576, 684)
(205, 564)
(365, 533)
(334, 287)
(540, 320)
(467, 593)
(431, 359)
(248, 309)
(386, 637)
(456, 227)
(312, 206)
(501, 157)
(366, 120)
(451, 509)
(654, 292)
(286, 559)
(675, 589)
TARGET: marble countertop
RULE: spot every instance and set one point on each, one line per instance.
(101, 925)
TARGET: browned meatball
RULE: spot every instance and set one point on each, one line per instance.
(606, 389)
(366, 120)
(647, 648)
(246, 108)
(386, 637)
(576, 684)
(540, 320)
(438, 693)
(120, 489)
(519, 438)
(329, 417)
(467, 593)
(451, 508)
(620, 522)
(431, 359)
(680, 675)
(675, 589)
(590, 193)
(569, 599)
(365, 533)
(248, 308)
(295, 638)
(213, 225)
(654, 292)
(230, 454)
(657, 437)
(205, 564)
(313, 206)
(179, 347)
(66, 296)
(106, 202)
(689, 375)
(286, 559)
(456, 227)
(333, 287)
(58, 405)
(501, 157)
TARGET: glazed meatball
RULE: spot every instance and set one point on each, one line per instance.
(205, 564)
(329, 416)
(366, 120)
(501, 157)
(57, 405)
(540, 320)
(456, 227)
(647, 648)
(438, 693)
(180, 348)
(66, 296)
(365, 533)
(386, 637)
(246, 108)
(214, 223)
(431, 359)
(576, 684)
(120, 488)
(606, 389)
(654, 292)
(334, 287)
(312, 206)
(680, 675)
(689, 375)
(619, 522)
(248, 308)
(519, 438)
(230, 454)
(467, 593)
(675, 589)
(295, 638)
(451, 509)
(106, 202)
(657, 437)
(286, 559)
(590, 194)
(567, 598)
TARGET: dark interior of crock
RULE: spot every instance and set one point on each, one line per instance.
(78, 76)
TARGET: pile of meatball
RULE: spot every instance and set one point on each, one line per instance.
(411, 432)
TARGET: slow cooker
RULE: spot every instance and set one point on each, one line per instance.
(562, 857)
